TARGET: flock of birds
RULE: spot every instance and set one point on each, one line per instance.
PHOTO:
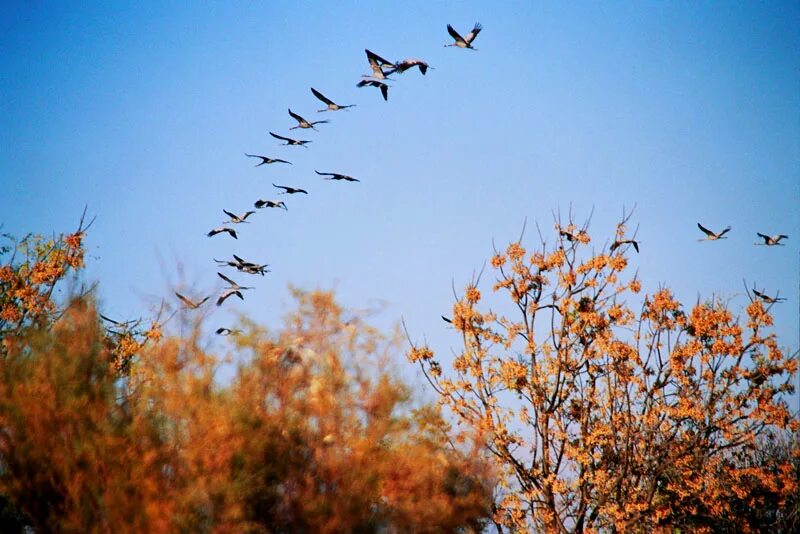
(381, 70)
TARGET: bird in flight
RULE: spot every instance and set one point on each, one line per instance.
(189, 304)
(332, 106)
(227, 293)
(337, 176)
(464, 42)
(221, 229)
(237, 218)
(618, 243)
(411, 63)
(231, 283)
(227, 331)
(265, 160)
(773, 240)
(270, 204)
(289, 190)
(289, 141)
(767, 298)
(303, 123)
(375, 83)
(377, 63)
(244, 266)
(711, 236)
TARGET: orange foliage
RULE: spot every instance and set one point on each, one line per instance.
(601, 418)
(313, 434)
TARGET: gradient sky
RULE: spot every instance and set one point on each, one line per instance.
(687, 110)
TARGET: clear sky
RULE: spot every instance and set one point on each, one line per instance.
(688, 110)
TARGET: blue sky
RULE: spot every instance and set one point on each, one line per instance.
(144, 112)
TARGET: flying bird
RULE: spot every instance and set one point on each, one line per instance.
(265, 160)
(771, 241)
(221, 229)
(303, 123)
(227, 293)
(767, 298)
(189, 304)
(337, 176)
(244, 266)
(332, 106)
(411, 63)
(464, 42)
(270, 204)
(289, 141)
(227, 331)
(619, 242)
(374, 83)
(237, 218)
(289, 190)
(377, 63)
(711, 236)
(232, 284)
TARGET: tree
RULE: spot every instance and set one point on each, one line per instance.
(118, 429)
(599, 417)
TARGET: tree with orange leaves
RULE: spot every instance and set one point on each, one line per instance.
(314, 433)
(602, 417)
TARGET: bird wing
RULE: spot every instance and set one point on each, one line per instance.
(635, 246)
(237, 258)
(276, 136)
(281, 161)
(725, 231)
(254, 156)
(301, 191)
(705, 230)
(759, 294)
(454, 34)
(762, 236)
(281, 187)
(474, 33)
(231, 231)
(322, 97)
(231, 282)
(296, 117)
(112, 321)
(384, 91)
(229, 214)
(374, 58)
(323, 173)
(247, 214)
(185, 300)
(362, 83)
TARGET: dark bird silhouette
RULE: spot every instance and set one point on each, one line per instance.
(767, 298)
(303, 123)
(377, 64)
(232, 284)
(464, 42)
(332, 106)
(446, 319)
(374, 83)
(289, 190)
(265, 160)
(711, 236)
(336, 176)
(189, 304)
(227, 331)
(227, 293)
(411, 63)
(270, 204)
(221, 229)
(773, 240)
(290, 141)
(617, 243)
(236, 219)
(244, 266)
